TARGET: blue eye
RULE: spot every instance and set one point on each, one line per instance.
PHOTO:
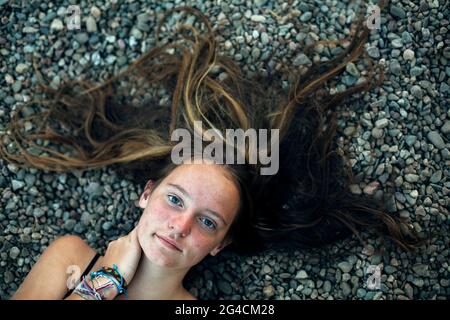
(210, 225)
(173, 197)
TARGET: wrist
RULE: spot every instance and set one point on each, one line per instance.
(104, 286)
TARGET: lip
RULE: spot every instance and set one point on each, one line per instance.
(168, 243)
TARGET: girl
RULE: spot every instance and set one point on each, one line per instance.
(192, 210)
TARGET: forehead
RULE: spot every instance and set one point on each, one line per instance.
(209, 186)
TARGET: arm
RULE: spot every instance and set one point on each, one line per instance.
(47, 279)
(109, 293)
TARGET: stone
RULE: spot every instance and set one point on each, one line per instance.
(225, 287)
(16, 184)
(445, 129)
(301, 59)
(269, 291)
(69, 224)
(421, 269)
(436, 139)
(38, 212)
(14, 253)
(377, 133)
(411, 177)
(382, 123)
(346, 290)
(306, 17)
(21, 68)
(397, 12)
(258, 18)
(301, 275)
(345, 266)
(373, 52)
(57, 25)
(91, 25)
(415, 71)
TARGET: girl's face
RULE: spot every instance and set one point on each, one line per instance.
(193, 207)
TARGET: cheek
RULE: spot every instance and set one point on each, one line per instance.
(202, 243)
(153, 219)
(155, 213)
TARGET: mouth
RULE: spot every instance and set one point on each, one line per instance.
(167, 243)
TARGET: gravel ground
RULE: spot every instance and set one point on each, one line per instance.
(402, 129)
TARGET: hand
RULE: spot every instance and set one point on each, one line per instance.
(125, 252)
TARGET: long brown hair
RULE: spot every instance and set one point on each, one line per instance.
(308, 203)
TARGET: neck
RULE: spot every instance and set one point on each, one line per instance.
(153, 282)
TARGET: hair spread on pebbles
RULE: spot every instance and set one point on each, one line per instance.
(308, 203)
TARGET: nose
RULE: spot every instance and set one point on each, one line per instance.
(181, 223)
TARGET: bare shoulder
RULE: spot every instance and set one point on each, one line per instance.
(48, 279)
(70, 250)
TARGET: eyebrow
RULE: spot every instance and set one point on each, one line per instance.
(184, 192)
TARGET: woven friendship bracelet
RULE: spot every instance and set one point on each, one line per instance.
(114, 276)
(87, 292)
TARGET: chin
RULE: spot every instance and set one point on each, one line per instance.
(156, 254)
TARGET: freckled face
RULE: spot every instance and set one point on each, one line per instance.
(180, 208)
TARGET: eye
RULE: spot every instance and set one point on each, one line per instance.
(209, 223)
(172, 197)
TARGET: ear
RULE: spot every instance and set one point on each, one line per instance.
(143, 200)
(222, 245)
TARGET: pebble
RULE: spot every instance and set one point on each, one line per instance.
(258, 18)
(436, 139)
(14, 253)
(107, 225)
(418, 282)
(373, 52)
(17, 86)
(91, 25)
(16, 185)
(377, 133)
(436, 177)
(8, 277)
(415, 71)
(397, 43)
(421, 269)
(346, 290)
(408, 54)
(445, 129)
(395, 67)
(351, 68)
(327, 286)
(21, 68)
(345, 266)
(397, 12)
(69, 224)
(57, 25)
(38, 212)
(225, 287)
(301, 275)
(264, 38)
(269, 291)
(411, 178)
(301, 59)
(306, 17)
(409, 291)
(82, 37)
(267, 269)
(95, 12)
(382, 123)
(416, 91)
